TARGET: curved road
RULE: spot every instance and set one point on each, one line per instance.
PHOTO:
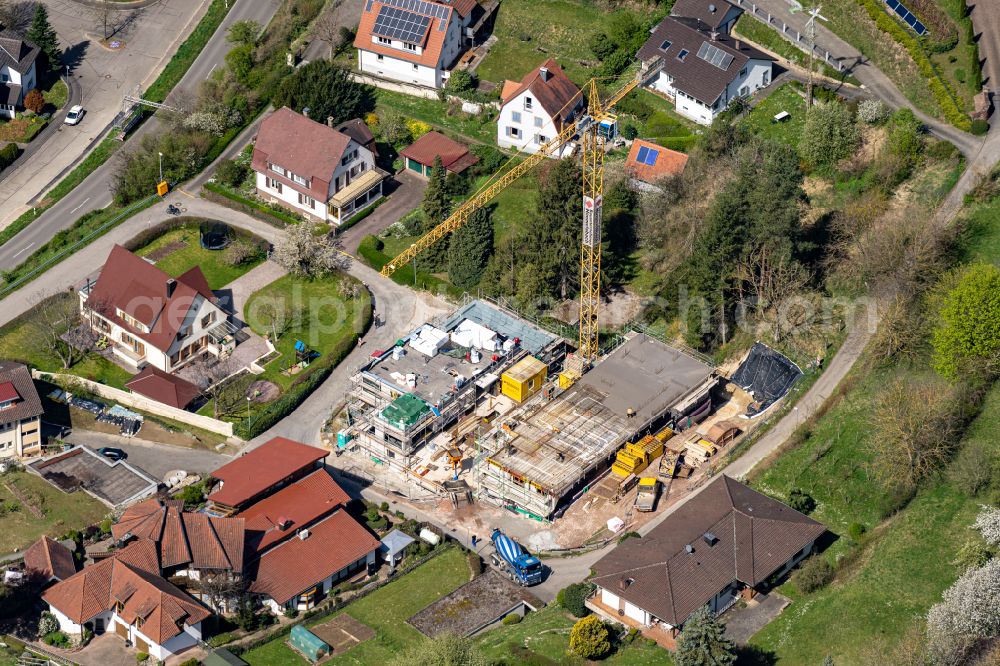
(95, 192)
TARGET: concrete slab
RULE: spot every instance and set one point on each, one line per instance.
(742, 623)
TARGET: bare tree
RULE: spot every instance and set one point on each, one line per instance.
(223, 590)
(915, 430)
(61, 330)
(16, 16)
(770, 277)
(113, 19)
(302, 253)
(278, 315)
(211, 375)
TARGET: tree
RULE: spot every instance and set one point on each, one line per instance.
(572, 598)
(436, 204)
(969, 612)
(589, 638)
(966, 337)
(60, 329)
(703, 642)
(461, 80)
(446, 650)
(988, 524)
(34, 100)
(243, 32)
(829, 135)
(44, 35)
(301, 253)
(914, 428)
(470, 249)
(47, 623)
(555, 248)
(327, 90)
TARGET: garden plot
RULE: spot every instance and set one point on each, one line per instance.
(342, 633)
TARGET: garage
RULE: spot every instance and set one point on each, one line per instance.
(634, 612)
(121, 630)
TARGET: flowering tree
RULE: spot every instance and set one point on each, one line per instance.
(969, 612)
(988, 524)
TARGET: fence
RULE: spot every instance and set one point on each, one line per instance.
(140, 402)
(789, 33)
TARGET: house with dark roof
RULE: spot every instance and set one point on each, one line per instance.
(724, 543)
(20, 411)
(698, 65)
(420, 155)
(163, 387)
(124, 594)
(414, 41)
(323, 172)
(535, 109)
(49, 559)
(150, 318)
(17, 72)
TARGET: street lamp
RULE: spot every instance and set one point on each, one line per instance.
(161, 177)
(248, 408)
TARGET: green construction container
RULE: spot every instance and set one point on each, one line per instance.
(308, 644)
(405, 410)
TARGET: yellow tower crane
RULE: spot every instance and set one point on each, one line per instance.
(592, 143)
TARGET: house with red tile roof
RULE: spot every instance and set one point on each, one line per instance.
(261, 472)
(420, 155)
(163, 387)
(322, 172)
(20, 411)
(121, 595)
(724, 544)
(151, 318)
(414, 41)
(535, 109)
(648, 163)
(49, 559)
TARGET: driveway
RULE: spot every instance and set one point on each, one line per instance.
(103, 77)
(742, 623)
(235, 294)
(405, 191)
(156, 459)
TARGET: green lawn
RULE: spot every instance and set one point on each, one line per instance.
(545, 634)
(561, 27)
(322, 318)
(899, 576)
(56, 96)
(213, 264)
(785, 98)
(434, 112)
(19, 341)
(386, 611)
(62, 511)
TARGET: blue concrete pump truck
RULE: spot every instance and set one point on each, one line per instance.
(510, 558)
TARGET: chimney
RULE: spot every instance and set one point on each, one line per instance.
(303, 535)
(715, 36)
(171, 285)
(544, 73)
(329, 121)
(689, 548)
(710, 539)
(283, 523)
(305, 111)
(711, 9)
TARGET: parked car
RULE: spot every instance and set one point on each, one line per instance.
(74, 115)
(112, 453)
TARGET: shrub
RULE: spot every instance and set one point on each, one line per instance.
(855, 531)
(813, 574)
(47, 624)
(873, 111)
(460, 81)
(231, 173)
(589, 638)
(973, 469)
(966, 339)
(572, 598)
(801, 501)
(34, 100)
(829, 135)
(513, 618)
(291, 613)
(141, 657)
(629, 535)
(384, 506)
(979, 127)
(7, 155)
(57, 639)
(629, 131)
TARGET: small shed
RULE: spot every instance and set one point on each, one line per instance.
(222, 657)
(524, 379)
(722, 433)
(163, 387)
(394, 546)
(308, 644)
(419, 156)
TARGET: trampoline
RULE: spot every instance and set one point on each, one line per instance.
(767, 375)
(215, 235)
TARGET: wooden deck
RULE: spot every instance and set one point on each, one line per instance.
(663, 637)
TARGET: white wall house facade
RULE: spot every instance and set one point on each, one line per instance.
(316, 593)
(524, 125)
(535, 110)
(20, 439)
(422, 53)
(756, 74)
(354, 185)
(17, 73)
(111, 622)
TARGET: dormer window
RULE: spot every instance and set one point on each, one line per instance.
(409, 47)
(384, 40)
(132, 321)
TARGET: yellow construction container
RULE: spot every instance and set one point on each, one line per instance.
(524, 379)
(664, 434)
(567, 379)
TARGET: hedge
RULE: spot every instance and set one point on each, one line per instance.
(302, 387)
(943, 97)
(8, 154)
(255, 209)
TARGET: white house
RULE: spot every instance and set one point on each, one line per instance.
(20, 410)
(700, 69)
(728, 542)
(17, 72)
(413, 41)
(148, 317)
(314, 169)
(125, 595)
(535, 109)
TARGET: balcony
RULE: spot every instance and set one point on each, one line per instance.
(130, 356)
(664, 637)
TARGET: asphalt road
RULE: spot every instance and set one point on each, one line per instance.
(95, 192)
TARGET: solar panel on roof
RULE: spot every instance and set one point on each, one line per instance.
(431, 9)
(651, 156)
(715, 56)
(643, 153)
(399, 24)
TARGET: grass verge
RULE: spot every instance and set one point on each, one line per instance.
(61, 511)
(758, 33)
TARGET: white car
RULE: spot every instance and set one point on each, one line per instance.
(74, 115)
